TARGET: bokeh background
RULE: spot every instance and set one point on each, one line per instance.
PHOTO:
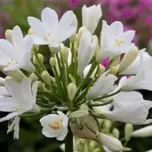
(135, 14)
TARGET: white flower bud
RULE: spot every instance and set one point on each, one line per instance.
(33, 77)
(72, 89)
(110, 142)
(107, 125)
(40, 58)
(116, 133)
(30, 31)
(78, 114)
(8, 35)
(128, 59)
(53, 61)
(65, 53)
(46, 77)
(143, 132)
(80, 32)
(128, 131)
(18, 75)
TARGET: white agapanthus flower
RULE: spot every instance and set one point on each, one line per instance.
(50, 30)
(86, 50)
(21, 99)
(127, 107)
(91, 16)
(16, 55)
(104, 85)
(55, 125)
(114, 41)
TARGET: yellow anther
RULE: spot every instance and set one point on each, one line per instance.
(56, 124)
(19, 107)
(118, 43)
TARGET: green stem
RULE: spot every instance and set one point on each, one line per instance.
(69, 142)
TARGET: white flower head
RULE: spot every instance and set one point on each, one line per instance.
(50, 30)
(86, 50)
(91, 17)
(22, 98)
(17, 54)
(114, 41)
(55, 125)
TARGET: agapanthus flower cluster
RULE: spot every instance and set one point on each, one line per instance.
(56, 71)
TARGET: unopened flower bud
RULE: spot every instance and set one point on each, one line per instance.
(18, 75)
(80, 32)
(53, 61)
(113, 70)
(8, 35)
(46, 77)
(33, 77)
(78, 114)
(107, 126)
(128, 131)
(73, 38)
(143, 132)
(110, 142)
(65, 53)
(128, 58)
(101, 69)
(84, 107)
(116, 133)
(72, 89)
(39, 57)
(30, 31)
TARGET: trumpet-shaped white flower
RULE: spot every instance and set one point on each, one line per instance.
(86, 50)
(143, 132)
(91, 17)
(50, 30)
(22, 98)
(114, 41)
(127, 107)
(18, 54)
(142, 80)
(104, 85)
(55, 125)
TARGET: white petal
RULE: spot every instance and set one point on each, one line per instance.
(67, 26)
(25, 62)
(3, 91)
(50, 19)
(38, 40)
(9, 116)
(104, 85)
(7, 48)
(37, 27)
(62, 134)
(17, 37)
(116, 28)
